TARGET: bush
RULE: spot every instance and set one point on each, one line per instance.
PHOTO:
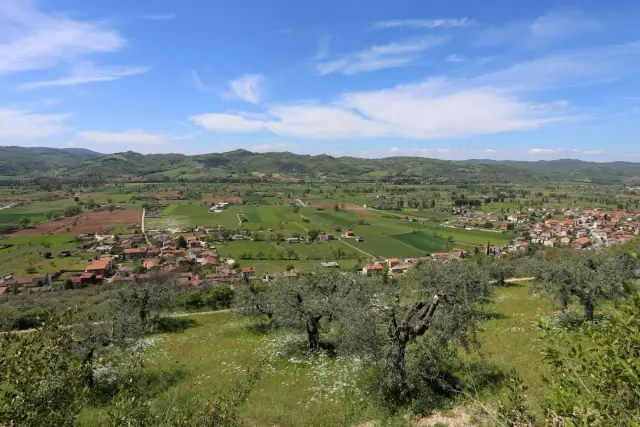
(47, 255)
(219, 297)
(191, 300)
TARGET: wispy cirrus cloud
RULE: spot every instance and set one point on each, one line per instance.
(323, 49)
(581, 67)
(39, 41)
(548, 29)
(19, 124)
(455, 57)
(422, 23)
(544, 150)
(88, 73)
(131, 137)
(391, 55)
(198, 83)
(249, 88)
(549, 151)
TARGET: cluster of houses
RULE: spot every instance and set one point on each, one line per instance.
(33, 282)
(580, 230)
(398, 267)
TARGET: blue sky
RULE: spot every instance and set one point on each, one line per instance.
(458, 79)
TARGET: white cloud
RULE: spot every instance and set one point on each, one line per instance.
(249, 88)
(588, 152)
(227, 123)
(267, 148)
(160, 17)
(422, 23)
(390, 55)
(88, 73)
(455, 57)
(491, 150)
(37, 41)
(18, 124)
(430, 109)
(546, 30)
(131, 137)
(544, 150)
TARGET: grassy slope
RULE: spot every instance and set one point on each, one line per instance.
(295, 391)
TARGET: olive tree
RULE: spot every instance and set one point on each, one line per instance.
(444, 307)
(589, 276)
(298, 303)
(135, 310)
(41, 382)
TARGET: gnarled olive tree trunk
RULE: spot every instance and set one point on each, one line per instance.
(313, 332)
(415, 323)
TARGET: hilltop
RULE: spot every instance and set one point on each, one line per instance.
(242, 164)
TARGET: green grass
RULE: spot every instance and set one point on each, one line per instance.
(472, 236)
(305, 251)
(196, 366)
(423, 242)
(510, 339)
(28, 252)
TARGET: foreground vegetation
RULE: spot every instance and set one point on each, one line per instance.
(336, 349)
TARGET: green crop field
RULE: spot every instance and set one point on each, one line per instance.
(422, 241)
(383, 236)
(472, 236)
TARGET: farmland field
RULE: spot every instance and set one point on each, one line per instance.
(479, 237)
(384, 235)
(86, 222)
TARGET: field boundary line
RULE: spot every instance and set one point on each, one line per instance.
(303, 204)
(299, 225)
(8, 206)
(358, 249)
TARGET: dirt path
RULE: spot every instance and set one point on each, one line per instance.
(9, 206)
(357, 249)
(302, 226)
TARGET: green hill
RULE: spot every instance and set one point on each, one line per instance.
(242, 164)
(29, 160)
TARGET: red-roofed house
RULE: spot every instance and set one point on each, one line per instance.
(392, 261)
(248, 272)
(440, 256)
(370, 269)
(133, 253)
(151, 264)
(100, 266)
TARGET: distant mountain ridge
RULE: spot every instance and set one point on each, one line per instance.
(82, 163)
(27, 160)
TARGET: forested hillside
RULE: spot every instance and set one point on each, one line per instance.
(242, 164)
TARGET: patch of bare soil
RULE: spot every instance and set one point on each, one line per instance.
(85, 223)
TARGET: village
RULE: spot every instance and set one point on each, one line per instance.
(191, 257)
